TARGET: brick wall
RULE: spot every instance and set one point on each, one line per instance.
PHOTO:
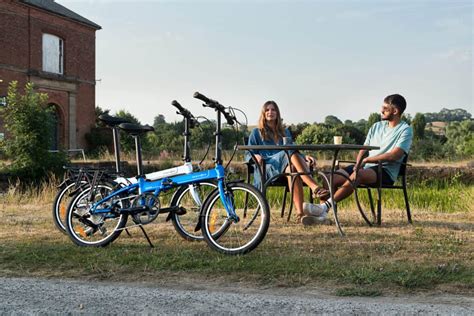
(21, 59)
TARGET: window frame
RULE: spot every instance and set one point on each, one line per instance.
(59, 64)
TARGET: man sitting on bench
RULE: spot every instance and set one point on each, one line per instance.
(393, 136)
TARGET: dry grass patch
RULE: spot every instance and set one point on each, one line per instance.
(435, 252)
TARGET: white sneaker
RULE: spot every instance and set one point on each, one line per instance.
(313, 209)
(314, 220)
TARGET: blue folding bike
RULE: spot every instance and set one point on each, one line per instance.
(234, 218)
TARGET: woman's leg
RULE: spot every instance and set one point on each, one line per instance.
(301, 166)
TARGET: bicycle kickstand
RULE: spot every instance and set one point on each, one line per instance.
(146, 236)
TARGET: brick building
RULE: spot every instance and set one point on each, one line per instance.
(47, 44)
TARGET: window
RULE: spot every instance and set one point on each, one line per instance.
(53, 58)
(3, 101)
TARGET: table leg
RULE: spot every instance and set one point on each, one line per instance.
(330, 182)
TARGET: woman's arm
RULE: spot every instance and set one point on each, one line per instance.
(254, 139)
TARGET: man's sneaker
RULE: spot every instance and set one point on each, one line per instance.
(315, 220)
(312, 220)
(313, 209)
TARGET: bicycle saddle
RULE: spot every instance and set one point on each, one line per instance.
(112, 121)
(135, 129)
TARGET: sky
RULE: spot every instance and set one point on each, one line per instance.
(314, 58)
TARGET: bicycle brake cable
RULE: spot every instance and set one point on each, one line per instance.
(208, 144)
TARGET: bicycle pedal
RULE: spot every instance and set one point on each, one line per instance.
(180, 211)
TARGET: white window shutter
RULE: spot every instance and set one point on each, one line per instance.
(52, 54)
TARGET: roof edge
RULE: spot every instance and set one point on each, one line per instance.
(86, 22)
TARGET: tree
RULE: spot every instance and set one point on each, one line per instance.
(460, 137)
(297, 129)
(332, 120)
(418, 123)
(100, 136)
(447, 115)
(316, 134)
(373, 118)
(98, 112)
(158, 121)
(350, 134)
(361, 125)
(406, 117)
(29, 123)
(127, 143)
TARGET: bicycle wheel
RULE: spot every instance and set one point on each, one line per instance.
(60, 204)
(183, 198)
(233, 238)
(94, 230)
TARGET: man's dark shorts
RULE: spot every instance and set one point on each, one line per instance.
(386, 180)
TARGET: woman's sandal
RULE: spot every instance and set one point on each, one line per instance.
(299, 217)
(320, 193)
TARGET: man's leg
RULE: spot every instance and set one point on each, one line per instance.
(338, 181)
(364, 176)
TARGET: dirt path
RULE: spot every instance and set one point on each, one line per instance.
(41, 296)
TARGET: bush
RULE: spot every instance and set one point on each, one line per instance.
(431, 147)
(28, 122)
(99, 138)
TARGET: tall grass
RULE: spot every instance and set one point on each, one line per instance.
(31, 193)
(437, 195)
(442, 196)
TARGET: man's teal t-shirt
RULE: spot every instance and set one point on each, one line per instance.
(388, 138)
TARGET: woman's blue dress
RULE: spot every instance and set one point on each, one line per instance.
(275, 161)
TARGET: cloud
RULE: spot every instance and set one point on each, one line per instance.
(460, 55)
(453, 24)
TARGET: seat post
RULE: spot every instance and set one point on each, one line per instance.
(116, 138)
(138, 149)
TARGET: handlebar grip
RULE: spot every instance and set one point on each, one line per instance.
(230, 119)
(177, 105)
(201, 97)
(184, 112)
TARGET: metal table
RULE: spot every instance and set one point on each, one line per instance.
(320, 147)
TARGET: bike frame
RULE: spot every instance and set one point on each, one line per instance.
(157, 186)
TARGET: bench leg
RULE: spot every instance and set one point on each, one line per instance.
(372, 207)
(379, 207)
(405, 194)
(291, 208)
(284, 203)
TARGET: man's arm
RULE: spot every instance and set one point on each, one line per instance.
(360, 156)
(402, 146)
(393, 155)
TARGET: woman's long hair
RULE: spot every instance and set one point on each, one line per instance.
(266, 130)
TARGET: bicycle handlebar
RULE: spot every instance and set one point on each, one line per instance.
(215, 105)
(184, 112)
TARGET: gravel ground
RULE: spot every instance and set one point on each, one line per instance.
(21, 296)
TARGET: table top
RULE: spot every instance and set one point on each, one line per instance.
(307, 147)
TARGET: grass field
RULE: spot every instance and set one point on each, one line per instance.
(435, 253)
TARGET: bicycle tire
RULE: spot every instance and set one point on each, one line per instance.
(229, 235)
(185, 224)
(60, 205)
(81, 224)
